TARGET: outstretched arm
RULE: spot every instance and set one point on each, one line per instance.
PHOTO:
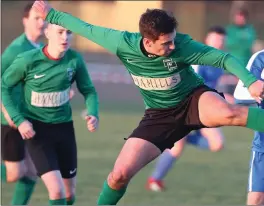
(197, 53)
(105, 37)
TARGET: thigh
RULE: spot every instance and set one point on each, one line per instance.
(66, 150)
(215, 111)
(256, 172)
(41, 148)
(12, 144)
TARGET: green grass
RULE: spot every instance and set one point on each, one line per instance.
(198, 178)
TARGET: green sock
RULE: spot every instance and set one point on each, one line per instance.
(23, 191)
(255, 119)
(3, 172)
(58, 202)
(110, 196)
(71, 200)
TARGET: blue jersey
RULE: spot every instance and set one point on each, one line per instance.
(211, 75)
(255, 66)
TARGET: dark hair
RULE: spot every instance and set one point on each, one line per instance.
(156, 22)
(218, 30)
(27, 9)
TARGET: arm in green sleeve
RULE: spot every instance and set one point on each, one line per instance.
(8, 57)
(200, 54)
(11, 77)
(86, 88)
(105, 37)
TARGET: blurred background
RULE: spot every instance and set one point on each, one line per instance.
(200, 178)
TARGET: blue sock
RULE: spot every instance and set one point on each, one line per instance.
(198, 140)
(163, 165)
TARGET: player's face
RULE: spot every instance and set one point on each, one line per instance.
(215, 40)
(240, 20)
(59, 37)
(34, 24)
(163, 46)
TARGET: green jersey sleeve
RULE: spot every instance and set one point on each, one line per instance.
(87, 89)
(105, 37)
(13, 75)
(196, 53)
(8, 57)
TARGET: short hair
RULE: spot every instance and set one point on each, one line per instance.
(156, 22)
(27, 9)
(217, 29)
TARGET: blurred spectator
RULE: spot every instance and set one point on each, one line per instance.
(240, 36)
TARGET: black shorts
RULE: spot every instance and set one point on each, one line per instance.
(164, 127)
(12, 144)
(53, 148)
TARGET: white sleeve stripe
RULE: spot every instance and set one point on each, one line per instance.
(252, 59)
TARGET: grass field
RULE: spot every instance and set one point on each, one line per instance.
(198, 178)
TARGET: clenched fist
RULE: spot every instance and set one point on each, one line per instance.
(257, 90)
(92, 123)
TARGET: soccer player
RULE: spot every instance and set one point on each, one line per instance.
(207, 138)
(45, 121)
(241, 36)
(159, 60)
(256, 169)
(17, 166)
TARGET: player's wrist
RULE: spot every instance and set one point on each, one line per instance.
(19, 121)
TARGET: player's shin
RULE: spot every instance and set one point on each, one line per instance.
(109, 196)
(255, 119)
(163, 165)
(23, 191)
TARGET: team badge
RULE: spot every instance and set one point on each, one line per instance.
(70, 73)
(170, 64)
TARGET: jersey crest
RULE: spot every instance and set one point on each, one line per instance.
(170, 64)
(70, 74)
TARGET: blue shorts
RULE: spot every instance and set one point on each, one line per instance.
(256, 172)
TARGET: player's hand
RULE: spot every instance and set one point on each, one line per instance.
(41, 7)
(72, 93)
(26, 130)
(92, 123)
(257, 90)
(7, 117)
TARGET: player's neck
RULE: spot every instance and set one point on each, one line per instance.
(53, 53)
(32, 38)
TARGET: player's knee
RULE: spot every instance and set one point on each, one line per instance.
(14, 173)
(255, 198)
(119, 177)
(70, 193)
(217, 147)
(229, 113)
(56, 192)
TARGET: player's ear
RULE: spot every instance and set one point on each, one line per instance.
(46, 30)
(147, 42)
(24, 21)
